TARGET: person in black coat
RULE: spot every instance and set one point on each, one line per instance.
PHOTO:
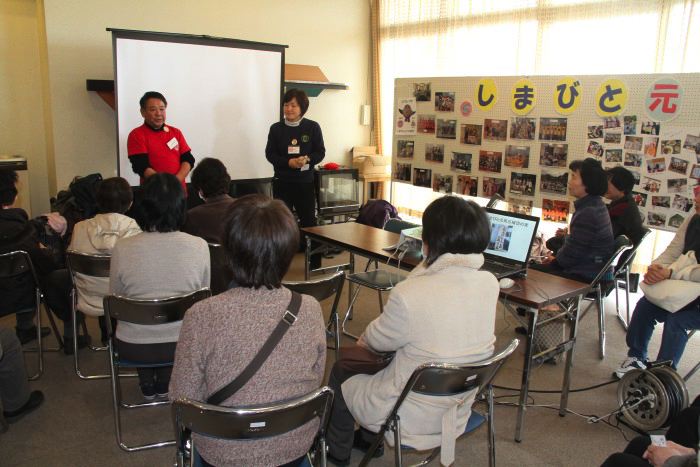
(624, 213)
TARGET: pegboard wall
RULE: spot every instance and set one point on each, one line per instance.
(516, 136)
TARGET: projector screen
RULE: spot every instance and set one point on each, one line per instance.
(223, 94)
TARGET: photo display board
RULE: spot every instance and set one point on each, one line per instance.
(516, 136)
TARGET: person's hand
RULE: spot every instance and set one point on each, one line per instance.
(361, 342)
(297, 162)
(180, 177)
(57, 222)
(658, 455)
(562, 232)
(656, 273)
(548, 259)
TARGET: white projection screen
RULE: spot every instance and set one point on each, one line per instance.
(223, 94)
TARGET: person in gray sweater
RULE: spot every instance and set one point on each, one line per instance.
(161, 262)
(221, 335)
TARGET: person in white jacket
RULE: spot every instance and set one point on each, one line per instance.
(647, 315)
(444, 311)
(98, 236)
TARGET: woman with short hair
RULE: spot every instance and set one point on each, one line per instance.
(160, 262)
(220, 336)
(444, 311)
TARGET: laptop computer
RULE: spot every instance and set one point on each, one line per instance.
(508, 251)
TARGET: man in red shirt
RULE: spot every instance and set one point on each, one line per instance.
(156, 147)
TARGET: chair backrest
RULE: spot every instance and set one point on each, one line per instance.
(397, 225)
(493, 201)
(221, 274)
(150, 311)
(252, 422)
(320, 288)
(622, 244)
(16, 263)
(88, 264)
(628, 256)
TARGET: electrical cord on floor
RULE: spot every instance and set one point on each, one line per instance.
(546, 391)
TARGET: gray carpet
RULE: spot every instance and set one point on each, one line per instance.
(75, 426)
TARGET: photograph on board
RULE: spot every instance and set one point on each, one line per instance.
(630, 124)
(520, 205)
(554, 181)
(422, 177)
(467, 185)
(612, 137)
(640, 198)
(611, 122)
(421, 91)
(522, 128)
(633, 159)
(490, 161)
(652, 185)
(595, 131)
(656, 219)
(661, 201)
(692, 143)
(613, 155)
(406, 121)
(404, 148)
(650, 128)
(595, 149)
(657, 165)
(675, 221)
(670, 146)
(678, 165)
(461, 162)
(470, 134)
(402, 172)
(553, 154)
(426, 124)
(633, 143)
(555, 210)
(523, 184)
(442, 183)
(553, 129)
(444, 101)
(681, 203)
(493, 185)
(677, 185)
(517, 156)
(446, 129)
(435, 152)
(650, 145)
(495, 130)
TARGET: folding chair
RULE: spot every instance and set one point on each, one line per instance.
(602, 285)
(250, 423)
(444, 379)
(377, 279)
(88, 265)
(321, 289)
(221, 274)
(17, 263)
(622, 274)
(144, 312)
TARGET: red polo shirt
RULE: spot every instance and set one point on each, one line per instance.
(163, 146)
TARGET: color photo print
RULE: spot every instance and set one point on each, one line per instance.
(490, 161)
(402, 172)
(656, 219)
(677, 165)
(595, 149)
(444, 101)
(520, 205)
(681, 203)
(426, 124)
(553, 155)
(446, 129)
(467, 185)
(493, 185)
(495, 130)
(613, 155)
(523, 184)
(470, 134)
(422, 177)
(555, 210)
(435, 153)
(461, 162)
(404, 148)
(421, 91)
(517, 156)
(640, 198)
(522, 128)
(554, 181)
(553, 129)
(442, 183)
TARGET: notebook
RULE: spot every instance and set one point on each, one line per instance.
(508, 251)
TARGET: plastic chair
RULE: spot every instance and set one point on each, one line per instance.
(443, 379)
(602, 285)
(89, 265)
(377, 279)
(321, 289)
(251, 422)
(221, 274)
(622, 274)
(16, 263)
(144, 312)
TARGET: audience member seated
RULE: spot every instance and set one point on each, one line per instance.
(646, 314)
(680, 450)
(444, 311)
(161, 262)
(211, 182)
(589, 242)
(98, 236)
(17, 400)
(17, 232)
(624, 213)
(220, 336)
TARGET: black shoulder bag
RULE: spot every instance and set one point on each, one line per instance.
(290, 316)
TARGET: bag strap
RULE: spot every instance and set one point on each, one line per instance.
(290, 316)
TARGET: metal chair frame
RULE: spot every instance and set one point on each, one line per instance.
(321, 289)
(443, 379)
(622, 274)
(19, 262)
(377, 279)
(89, 265)
(144, 312)
(622, 244)
(217, 255)
(249, 423)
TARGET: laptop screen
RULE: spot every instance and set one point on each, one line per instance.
(511, 235)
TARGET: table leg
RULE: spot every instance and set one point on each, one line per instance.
(307, 258)
(569, 361)
(351, 286)
(527, 366)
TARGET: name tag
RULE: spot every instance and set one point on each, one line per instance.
(172, 144)
(293, 150)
